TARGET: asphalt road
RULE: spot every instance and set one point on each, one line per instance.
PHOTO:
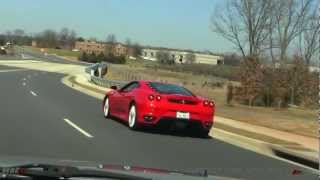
(41, 117)
(50, 58)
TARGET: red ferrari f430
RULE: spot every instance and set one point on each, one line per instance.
(150, 103)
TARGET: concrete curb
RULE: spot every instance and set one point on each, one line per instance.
(267, 149)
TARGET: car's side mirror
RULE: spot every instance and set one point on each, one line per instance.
(114, 87)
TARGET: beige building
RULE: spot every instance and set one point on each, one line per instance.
(179, 56)
(117, 49)
(90, 47)
(34, 43)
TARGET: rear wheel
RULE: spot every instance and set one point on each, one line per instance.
(106, 108)
(203, 133)
(132, 120)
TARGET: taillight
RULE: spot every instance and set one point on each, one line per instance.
(151, 97)
(211, 104)
(208, 103)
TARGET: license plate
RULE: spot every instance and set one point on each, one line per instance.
(183, 115)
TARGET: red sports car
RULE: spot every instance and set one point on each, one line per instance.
(150, 103)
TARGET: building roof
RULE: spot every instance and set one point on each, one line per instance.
(181, 50)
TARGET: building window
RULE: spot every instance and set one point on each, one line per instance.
(180, 58)
(173, 56)
(145, 54)
(151, 54)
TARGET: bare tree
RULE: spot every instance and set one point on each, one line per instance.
(18, 36)
(128, 42)
(93, 39)
(244, 21)
(63, 37)
(137, 49)
(67, 38)
(190, 58)
(290, 18)
(163, 57)
(48, 39)
(111, 39)
(9, 36)
(72, 39)
(18, 32)
(309, 39)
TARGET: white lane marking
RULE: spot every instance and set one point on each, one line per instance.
(23, 84)
(33, 93)
(24, 79)
(11, 70)
(78, 128)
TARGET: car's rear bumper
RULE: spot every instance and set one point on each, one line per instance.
(204, 121)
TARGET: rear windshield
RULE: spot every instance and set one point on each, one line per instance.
(170, 89)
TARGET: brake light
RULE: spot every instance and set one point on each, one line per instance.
(151, 97)
(211, 104)
(158, 98)
(208, 103)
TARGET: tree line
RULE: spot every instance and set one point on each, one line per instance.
(17, 36)
(48, 38)
(287, 34)
(94, 58)
(270, 28)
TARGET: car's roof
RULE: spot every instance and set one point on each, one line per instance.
(146, 82)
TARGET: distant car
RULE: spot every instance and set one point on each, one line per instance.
(75, 50)
(150, 103)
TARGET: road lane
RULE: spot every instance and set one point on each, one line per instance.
(36, 125)
(31, 126)
(78, 128)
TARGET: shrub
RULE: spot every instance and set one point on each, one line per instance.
(223, 71)
(232, 60)
(190, 58)
(251, 79)
(93, 58)
(269, 86)
(163, 57)
(83, 56)
(115, 59)
(229, 93)
(3, 52)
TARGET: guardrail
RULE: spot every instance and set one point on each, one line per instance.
(92, 67)
(106, 83)
(101, 81)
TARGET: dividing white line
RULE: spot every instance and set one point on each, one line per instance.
(78, 128)
(33, 93)
(23, 84)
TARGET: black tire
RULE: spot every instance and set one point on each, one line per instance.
(203, 133)
(132, 117)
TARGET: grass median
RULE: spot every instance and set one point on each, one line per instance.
(72, 79)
